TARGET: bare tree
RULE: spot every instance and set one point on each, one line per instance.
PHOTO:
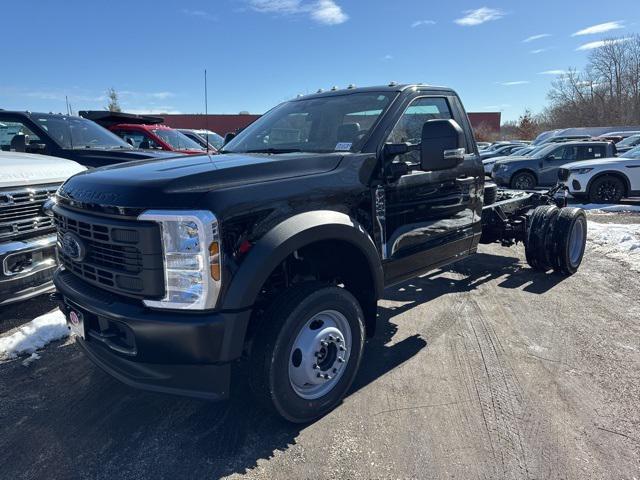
(114, 104)
(606, 92)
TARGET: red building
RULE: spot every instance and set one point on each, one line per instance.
(222, 123)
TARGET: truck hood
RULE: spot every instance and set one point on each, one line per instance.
(180, 181)
(116, 155)
(23, 169)
(597, 162)
(510, 159)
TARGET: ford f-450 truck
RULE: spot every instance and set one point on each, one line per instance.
(276, 251)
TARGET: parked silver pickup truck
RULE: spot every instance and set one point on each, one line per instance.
(27, 235)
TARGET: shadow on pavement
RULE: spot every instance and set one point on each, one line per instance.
(80, 423)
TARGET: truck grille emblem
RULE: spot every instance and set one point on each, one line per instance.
(73, 247)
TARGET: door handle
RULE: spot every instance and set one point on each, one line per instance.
(465, 180)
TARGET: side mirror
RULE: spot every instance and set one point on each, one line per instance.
(442, 145)
(228, 137)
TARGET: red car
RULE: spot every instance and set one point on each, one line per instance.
(156, 137)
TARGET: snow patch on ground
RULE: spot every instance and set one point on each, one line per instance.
(618, 241)
(34, 335)
(608, 208)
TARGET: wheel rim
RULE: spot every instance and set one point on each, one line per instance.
(319, 355)
(576, 242)
(523, 182)
(607, 191)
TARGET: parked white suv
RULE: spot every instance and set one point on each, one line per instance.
(27, 235)
(604, 180)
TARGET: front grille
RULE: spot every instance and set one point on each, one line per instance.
(21, 211)
(122, 256)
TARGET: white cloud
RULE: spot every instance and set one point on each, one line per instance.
(479, 16)
(326, 12)
(553, 72)
(419, 23)
(539, 50)
(600, 28)
(199, 13)
(601, 43)
(387, 57)
(536, 37)
(517, 82)
(152, 110)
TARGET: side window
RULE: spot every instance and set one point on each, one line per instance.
(9, 130)
(565, 154)
(137, 139)
(409, 127)
(590, 152)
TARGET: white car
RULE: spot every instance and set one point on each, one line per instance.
(604, 180)
(27, 233)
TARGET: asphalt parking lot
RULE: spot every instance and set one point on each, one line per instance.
(486, 369)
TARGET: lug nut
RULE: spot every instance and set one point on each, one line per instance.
(331, 338)
(338, 339)
(340, 360)
(324, 343)
(319, 375)
(315, 366)
(317, 354)
(342, 349)
(335, 370)
(327, 377)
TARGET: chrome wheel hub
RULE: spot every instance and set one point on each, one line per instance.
(319, 354)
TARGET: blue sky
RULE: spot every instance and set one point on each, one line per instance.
(261, 52)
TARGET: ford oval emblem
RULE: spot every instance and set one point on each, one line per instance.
(73, 247)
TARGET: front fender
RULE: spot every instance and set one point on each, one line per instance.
(288, 236)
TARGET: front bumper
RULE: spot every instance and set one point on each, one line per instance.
(26, 268)
(185, 353)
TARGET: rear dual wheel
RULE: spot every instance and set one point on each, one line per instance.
(556, 239)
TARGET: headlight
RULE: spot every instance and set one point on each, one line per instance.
(192, 261)
(580, 171)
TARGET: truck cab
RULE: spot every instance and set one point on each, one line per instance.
(276, 252)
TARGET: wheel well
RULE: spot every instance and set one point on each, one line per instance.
(620, 176)
(334, 262)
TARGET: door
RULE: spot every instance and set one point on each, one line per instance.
(428, 216)
(548, 174)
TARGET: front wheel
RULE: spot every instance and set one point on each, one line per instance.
(307, 351)
(523, 181)
(607, 189)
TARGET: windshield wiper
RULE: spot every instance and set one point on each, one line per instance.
(273, 150)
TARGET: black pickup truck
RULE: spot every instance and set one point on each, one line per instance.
(67, 136)
(276, 251)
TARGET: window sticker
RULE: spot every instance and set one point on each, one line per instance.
(343, 146)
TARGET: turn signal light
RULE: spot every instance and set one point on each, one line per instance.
(214, 256)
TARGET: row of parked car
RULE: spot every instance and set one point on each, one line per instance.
(97, 138)
(596, 169)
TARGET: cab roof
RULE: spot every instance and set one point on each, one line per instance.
(391, 87)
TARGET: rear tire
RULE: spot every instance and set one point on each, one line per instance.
(538, 248)
(606, 189)
(490, 193)
(309, 332)
(523, 181)
(569, 240)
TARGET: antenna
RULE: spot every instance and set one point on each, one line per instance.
(66, 99)
(206, 111)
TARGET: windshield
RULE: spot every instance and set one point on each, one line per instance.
(629, 141)
(76, 132)
(324, 124)
(214, 139)
(176, 139)
(633, 153)
(543, 150)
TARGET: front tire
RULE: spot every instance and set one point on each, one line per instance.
(606, 189)
(523, 181)
(307, 351)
